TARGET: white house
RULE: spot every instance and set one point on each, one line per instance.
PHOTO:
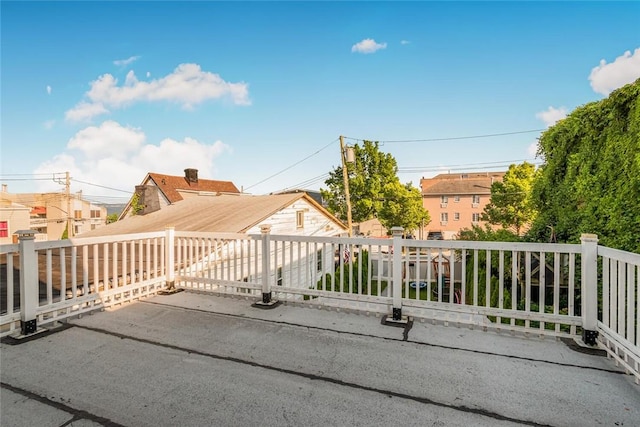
(234, 258)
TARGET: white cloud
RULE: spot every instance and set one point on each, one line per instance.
(532, 149)
(404, 42)
(148, 74)
(187, 85)
(125, 62)
(48, 90)
(605, 78)
(552, 115)
(49, 124)
(119, 157)
(84, 111)
(110, 139)
(367, 46)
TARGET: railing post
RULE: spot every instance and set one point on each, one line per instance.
(396, 268)
(589, 288)
(170, 262)
(267, 300)
(29, 286)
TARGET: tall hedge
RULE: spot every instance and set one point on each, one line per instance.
(590, 179)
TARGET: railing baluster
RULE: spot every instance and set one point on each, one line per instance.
(556, 287)
(527, 297)
(63, 273)
(606, 319)
(542, 287)
(572, 296)
(476, 256)
(622, 289)
(515, 257)
(49, 276)
(631, 313)
(613, 283)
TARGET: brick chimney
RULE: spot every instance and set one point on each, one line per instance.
(148, 200)
(191, 175)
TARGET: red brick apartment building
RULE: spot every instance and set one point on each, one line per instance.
(456, 201)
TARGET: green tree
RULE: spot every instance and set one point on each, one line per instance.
(511, 205)
(402, 207)
(590, 179)
(112, 218)
(375, 190)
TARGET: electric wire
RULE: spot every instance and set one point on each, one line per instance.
(291, 166)
(101, 186)
(447, 138)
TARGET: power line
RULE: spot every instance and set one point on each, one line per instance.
(449, 138)
(483, 165)
(101, 186)
(309, 181)
(295, 164)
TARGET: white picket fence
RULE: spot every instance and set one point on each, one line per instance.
(530, 288)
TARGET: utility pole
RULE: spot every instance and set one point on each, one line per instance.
(345, 177)
(67, 192)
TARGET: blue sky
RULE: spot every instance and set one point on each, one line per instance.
(244, 90)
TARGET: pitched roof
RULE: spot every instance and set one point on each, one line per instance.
(223, 213)
(456, 184)
(170, 185)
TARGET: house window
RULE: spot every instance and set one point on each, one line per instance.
(95, 213)
(456, 216)
(77, 229)
(444, 199)
(319, 260)
(476, 199)
(456, 199)
(475, 217)
(300, 219)
(4, 228)
(444, 217)
(77, 214)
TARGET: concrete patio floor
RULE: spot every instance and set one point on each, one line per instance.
(198, 360)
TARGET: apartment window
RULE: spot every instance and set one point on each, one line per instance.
(95, 213)
(456, 199)
(456, 216)
(77, 214)
(444, 199)
(4, 228)
(476, 199)
(475, 217)
(77, 229)
(300, 219)
(444, 217)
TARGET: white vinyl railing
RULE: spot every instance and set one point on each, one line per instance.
(619, 322)
(69, 277)
(534, 288)
(531, 288)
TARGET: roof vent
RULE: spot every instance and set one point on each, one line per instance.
(191, 175)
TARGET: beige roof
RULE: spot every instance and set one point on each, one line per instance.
(224, 213)
(456, 184)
